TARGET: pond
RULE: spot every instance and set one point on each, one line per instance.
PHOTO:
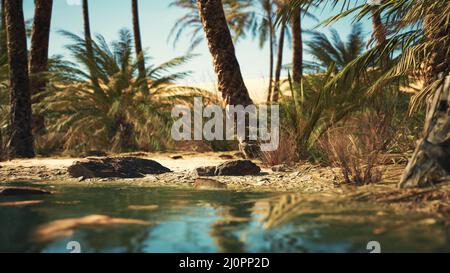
(185, 220)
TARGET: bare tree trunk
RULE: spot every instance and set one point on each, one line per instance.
(230, 81)
(297, 46)
(430, 161)
(138, 46)
(21, 137)
(89, 47)
(279, 65)
(40, 37)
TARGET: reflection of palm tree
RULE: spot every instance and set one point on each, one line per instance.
(235, 214)
(282, 209)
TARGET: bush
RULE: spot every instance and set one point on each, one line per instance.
(357, 150)
(286, 152)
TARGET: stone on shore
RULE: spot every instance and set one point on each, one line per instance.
(120, 167)
(205, 171)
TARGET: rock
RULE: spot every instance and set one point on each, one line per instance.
(208, 184)
(17, 191)
(121, 167)
(95, 154)
(176, 157)
(226, 157)
(263, 181)
(237, 168)
(205, 171)
(280, 168)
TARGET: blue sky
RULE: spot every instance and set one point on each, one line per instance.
(157, 19)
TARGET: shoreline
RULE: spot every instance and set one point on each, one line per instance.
(303, 179)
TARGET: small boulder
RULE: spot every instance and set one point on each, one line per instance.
(19, 191)
(205, 171)
(225, 156)
(237, 168)
(95, 154)
(280, 168)
(121, 167)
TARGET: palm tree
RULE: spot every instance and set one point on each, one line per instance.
(120, 117)
(40, 37)
(297, 45)
(263, 26)
(138, 45)
(421, 43)
(88, 44)
(3, 47)
(21, 137)
(379, 30)
(230, 81)
(327, 51)
(237, 15)
(279, 65)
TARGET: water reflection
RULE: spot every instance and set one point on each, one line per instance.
(210, 221)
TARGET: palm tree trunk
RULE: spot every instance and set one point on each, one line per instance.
(379, 30)
(3, 46)
(21, 137)
(279, 66)
(430, 161)
(230, 81)
(40, 37)
(271, 41)
(89, 47)
(297, 46)
(138, 46)
(3, 15)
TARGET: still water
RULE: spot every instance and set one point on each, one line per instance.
(184, 220)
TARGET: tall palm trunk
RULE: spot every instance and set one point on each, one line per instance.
(297, 45)
(40, 37)
(138, 46)
(21, 138)
(3, 46)
(230, 81)
(89, 47)
(271, 48)
(432, 155)
(379, 30)
(279, 66)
